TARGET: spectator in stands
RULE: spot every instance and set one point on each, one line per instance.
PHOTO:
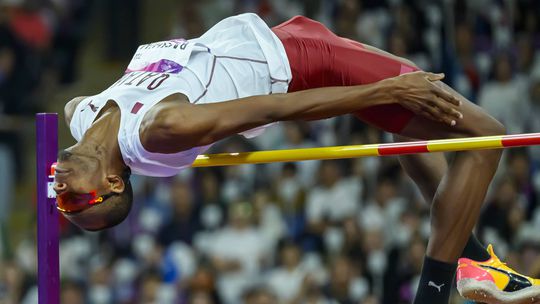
(465, 74)
(212, 208)
(72, 293)
(291, 196)
(268, 217)
(12, 279)
(503, 96)
(344, 286)
(237, 252)
(519, 169)
(287, 279)
(201, 298)
(503, 214)
(259, 295)
(333, 200)
(183, 222)
(384, 210)
(201, 287)
(150, 284)
(295, 136)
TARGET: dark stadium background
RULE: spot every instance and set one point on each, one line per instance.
(350, 231)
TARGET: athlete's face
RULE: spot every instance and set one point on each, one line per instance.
(79, 173)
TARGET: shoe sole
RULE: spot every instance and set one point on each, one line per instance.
(487, 292)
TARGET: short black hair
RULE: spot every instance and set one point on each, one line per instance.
(119, 205)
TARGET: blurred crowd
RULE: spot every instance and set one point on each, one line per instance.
(39, 41)
(39, 44)
(324, 232)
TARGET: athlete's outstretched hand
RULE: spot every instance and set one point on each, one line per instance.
(419, 92)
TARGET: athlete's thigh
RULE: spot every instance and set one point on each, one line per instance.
(319, 58)
(359, 64)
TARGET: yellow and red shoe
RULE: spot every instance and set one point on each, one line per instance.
(492, 282)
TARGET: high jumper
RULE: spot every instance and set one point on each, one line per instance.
(178, 97)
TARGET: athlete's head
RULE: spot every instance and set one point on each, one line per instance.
(91, 193)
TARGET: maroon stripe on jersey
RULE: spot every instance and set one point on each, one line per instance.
(136, 107)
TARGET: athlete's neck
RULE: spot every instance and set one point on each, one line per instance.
(101, 139)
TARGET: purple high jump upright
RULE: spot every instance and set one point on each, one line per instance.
(47, 215)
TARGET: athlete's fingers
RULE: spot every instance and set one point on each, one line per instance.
(447, 96)
(456, 114)
(441, 103)
(428, 109)
(449, 110)
(439, 113)
(438, 108)
(429, 115)
(439, 91)
(432, 110)
(434, 77)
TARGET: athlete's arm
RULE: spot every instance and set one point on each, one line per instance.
(173, 127)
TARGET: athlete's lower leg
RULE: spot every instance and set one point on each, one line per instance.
(427, 171)
(459, 196)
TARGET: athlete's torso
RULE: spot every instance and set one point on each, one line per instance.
(238, 57)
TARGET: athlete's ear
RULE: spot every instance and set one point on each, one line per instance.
(116, 183)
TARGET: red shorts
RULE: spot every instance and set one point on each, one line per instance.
(319, 58)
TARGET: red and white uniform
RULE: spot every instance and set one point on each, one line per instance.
(320, 58)
(238, 57)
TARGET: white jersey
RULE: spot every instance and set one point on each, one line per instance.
(238, 57)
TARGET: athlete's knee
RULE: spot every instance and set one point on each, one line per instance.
(491, 126)
(486, 126)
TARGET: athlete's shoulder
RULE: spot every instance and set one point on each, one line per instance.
(164, 122)
(70, 107)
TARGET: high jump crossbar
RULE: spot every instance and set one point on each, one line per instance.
(47, 147)
(391, 149)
